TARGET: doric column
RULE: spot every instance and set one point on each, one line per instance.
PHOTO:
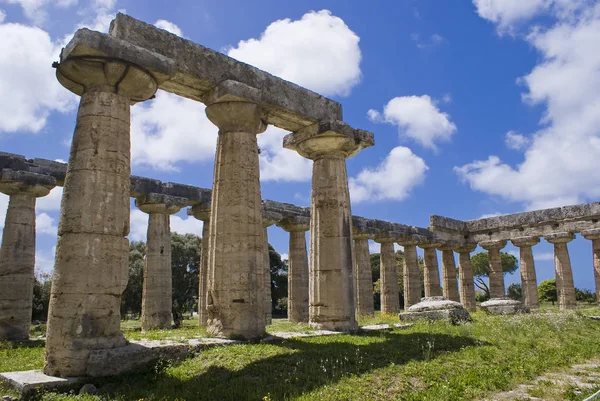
(297, 268)
(465, 275)
(527, 267)
(594, 236)
(565, 287)
(17, 254)
(92, 252)
(157, 297)
(235, 299)
(388, 278)
(496, 277)
(332, 284)
(412, 278)
(449, 284)
(431, 274)
(202, 212)
(269, 218)
(363, 277)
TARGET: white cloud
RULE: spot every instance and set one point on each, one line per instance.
(285, 256)
(561, 162)
(487, 215)
(418, 118)
(393, 179)
(168, 26)
(318, 52)
(139, 225)
(374, 247)
(2, 15)
(189, 225)
(516, 141)
(278, 163)
(44, 261)
(44, 224)
(50, 202)
(3, 207)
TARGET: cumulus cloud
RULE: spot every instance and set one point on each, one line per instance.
(562, 159)
(418, 118)
(44, 261)
(516, 141)
(2, 15)
(392, 179)
(319, 52)
(139, 225)
(44, 224)
(168, 26)
(50, 202)
(278, 163)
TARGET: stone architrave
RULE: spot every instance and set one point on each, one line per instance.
(202, 212)
(236, 296)
(363, 277)
(496, 277)
(465, 273)
(17, 254)
(298, 292)
(157, 297)
(328, 144)
(431, 273)
(449, 284)
(565, 287)
(388, 284)
(92, 252)
(269, 218)
(527, 268)
(412, 278)
(594, 236)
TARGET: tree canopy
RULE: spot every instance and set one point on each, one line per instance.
(547, 291)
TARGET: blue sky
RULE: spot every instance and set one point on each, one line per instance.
(478, 108)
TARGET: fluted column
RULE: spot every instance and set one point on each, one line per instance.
(388, 278)
(594, 236)
(17, 253)
(298, 292)
(269, 218)
(431, 274)
(565, 287)
(449, 284)
(202, 212)
(363, 276)
(328, 144)
(527, 268)
(465, 274)
(496, 277)
(157, 297)
(92, 252)
(412, 278)
(235, 299)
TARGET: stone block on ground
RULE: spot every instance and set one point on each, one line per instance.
(28, 382)
(437, 308)
(504, 306)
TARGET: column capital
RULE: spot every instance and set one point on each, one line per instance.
(359, 235)
(234, 107)
(270, 217)
(559, 238)
(411, 240)
(525, 241)
(465, 248)
(160, 203)
(591, 234)
(448, 246)
(24, 182)
(430, 245)
(200, 211)
(294, 223)
(382, 239)
(493, 245)
(328, 139)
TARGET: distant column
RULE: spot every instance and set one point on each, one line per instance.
(565, 287)
(412, 278)
(431, 274)
(202, 212)
(363, 276)
(527, 268)
(269, 218)
(449, 284)
(157, 297)
(496, 277)
(388, 279)
(594, 236)
(17, 254)
(465, 272)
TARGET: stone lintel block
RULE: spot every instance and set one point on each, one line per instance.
(29, 382)
(199, 70)
(200, 211)
(286, 209)
(14, 182)
(331, 136)
(558, 238)
(160, 203)
(449, 245)
(141, 186)
(525, 241)
(591, 234)
(294, 223)
(466, 248)
(270, 217)
(412, 240)
(493, 245)
(428, 245)
(504, 306)
(441, 223)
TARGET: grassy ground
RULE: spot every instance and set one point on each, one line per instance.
(424, 362)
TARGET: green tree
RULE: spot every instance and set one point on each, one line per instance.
(547, 291)
(481, 268)
(279, 281)
(185, 267)
(131, 300)
(585, 296)
(515, 292)
(41, 296)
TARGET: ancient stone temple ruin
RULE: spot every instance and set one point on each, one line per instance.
(329, 285)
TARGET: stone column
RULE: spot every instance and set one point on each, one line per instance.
(297, 268)
(388, 279)
(594, 236)
(157, 297)
(332, 284)
(527, 268)
(202, 212)
(449, 285)
(17, 254)
(363, 277)
(465, 273)
(496, 278)
(431, 274)
(412, 278)
(92, 253)
(269, 218)
(235, 299)
(565, 287)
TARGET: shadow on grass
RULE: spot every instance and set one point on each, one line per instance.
(303, 365)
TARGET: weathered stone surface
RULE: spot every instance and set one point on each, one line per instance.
(496, 277)
(594, 236)
(465, 273)
(267, 279)
(527, 268)
(199, 70)
(363, 277)
(503, 306)
(298, 291)
(449, 284)
(431, 276)
(437, 308)
(565, 286)
(202, 212)
(412, 278)
(390, 299)
(31, 381)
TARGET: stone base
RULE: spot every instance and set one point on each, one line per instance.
(437, 308)
(28, 382)
(504, 306)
